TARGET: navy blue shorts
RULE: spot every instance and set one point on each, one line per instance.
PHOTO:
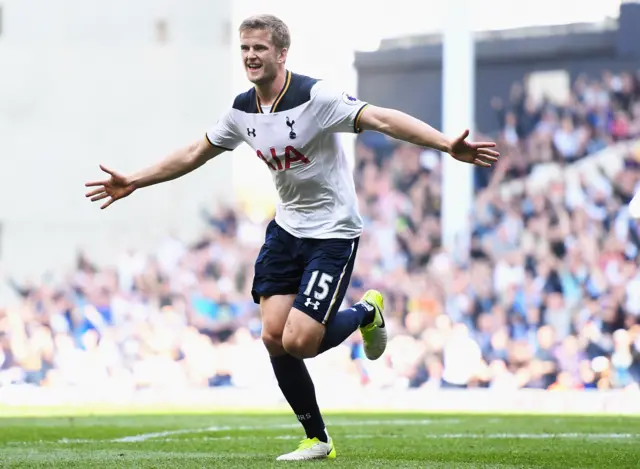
(318, 271)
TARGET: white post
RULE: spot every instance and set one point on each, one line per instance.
(458, 86)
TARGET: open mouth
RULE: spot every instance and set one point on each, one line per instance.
(254, 66)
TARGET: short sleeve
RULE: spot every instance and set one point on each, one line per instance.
(336, 111)
(224, 133)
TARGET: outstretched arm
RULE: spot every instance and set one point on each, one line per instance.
(175, 165)
(223, 136)
(404, 127)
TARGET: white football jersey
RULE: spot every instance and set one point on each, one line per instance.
(296, 138)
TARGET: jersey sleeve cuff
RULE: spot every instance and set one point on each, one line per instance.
(356, 122)
(206, 136)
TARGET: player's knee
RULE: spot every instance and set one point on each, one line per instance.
(300, 345)
(272, 340)
(302, 335)
(295, 346)
(274, 311)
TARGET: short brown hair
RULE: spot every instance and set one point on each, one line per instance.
(280, 36)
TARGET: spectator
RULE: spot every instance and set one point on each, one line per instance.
(597, 113)
(546, 299)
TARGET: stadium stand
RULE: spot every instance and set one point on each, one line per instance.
(549, 297)
(598, 112)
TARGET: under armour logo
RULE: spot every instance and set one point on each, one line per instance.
(251, 132)
(315, 304)
(292, 134)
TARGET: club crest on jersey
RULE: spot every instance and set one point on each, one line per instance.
(348, 99)
(292, 134)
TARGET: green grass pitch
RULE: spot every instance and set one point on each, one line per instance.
(145, 439)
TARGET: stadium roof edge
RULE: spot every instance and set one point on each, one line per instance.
(609, 24)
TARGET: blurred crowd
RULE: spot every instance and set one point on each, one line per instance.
(595, 113)
(548, 296)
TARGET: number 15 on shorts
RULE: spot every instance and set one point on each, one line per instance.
(323, 286)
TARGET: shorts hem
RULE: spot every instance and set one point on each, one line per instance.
(320, 316)
(267, 293)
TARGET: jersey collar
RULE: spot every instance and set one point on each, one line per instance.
(283, 91)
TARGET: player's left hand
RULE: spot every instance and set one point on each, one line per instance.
(477, 153)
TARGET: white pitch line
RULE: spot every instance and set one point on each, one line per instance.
(428, 436)
(353, 423)
(149, 436)
(169, 434)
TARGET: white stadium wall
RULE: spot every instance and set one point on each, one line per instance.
(88, 82)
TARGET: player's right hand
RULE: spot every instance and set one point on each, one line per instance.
(116, 187)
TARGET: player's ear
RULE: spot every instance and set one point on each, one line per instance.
(282, 57)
